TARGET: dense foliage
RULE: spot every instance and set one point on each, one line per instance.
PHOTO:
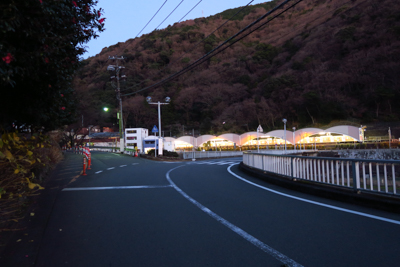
(40, 45)
(23, 163)
(322, 61)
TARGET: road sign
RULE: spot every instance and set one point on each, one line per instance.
(259, 129)
(154, 130)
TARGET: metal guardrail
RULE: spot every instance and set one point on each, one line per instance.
(360, 174)
(210, 154)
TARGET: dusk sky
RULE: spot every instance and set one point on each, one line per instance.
(126, 18)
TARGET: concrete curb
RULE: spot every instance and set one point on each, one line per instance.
(363, 198)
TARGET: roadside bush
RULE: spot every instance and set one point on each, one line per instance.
(23, 164)
(166, 153)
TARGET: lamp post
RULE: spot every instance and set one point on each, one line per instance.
(259, 130)
(167, 100)
(284, 122)
(294, 140)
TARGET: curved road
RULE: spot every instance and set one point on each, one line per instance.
(135, 212)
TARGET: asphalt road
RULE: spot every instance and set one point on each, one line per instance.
(136, 212)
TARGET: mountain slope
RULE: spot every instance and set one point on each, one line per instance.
(318, 62)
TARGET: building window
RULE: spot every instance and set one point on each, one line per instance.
(131, 131)
(132, 138)
(149, 142)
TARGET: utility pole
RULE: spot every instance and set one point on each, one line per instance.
(117, 68)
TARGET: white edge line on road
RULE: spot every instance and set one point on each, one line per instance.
(114, 187)
(314, 202)
(264, 247)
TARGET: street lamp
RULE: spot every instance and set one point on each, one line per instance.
(167, 100)
(294, 140)
(284, 122)
(105, 109)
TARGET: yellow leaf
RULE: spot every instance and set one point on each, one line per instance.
(42, 146)
(38, 159)
(29, 153)
(8, 154)
(16, 171)
(33, 185)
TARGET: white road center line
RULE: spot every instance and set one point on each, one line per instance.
(135, 163)
(98, 172)
(111, 168)
(114, 187)
(123, 166)
(264, 247)
(314, 202)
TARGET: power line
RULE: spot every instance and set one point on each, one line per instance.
(201, 41)
(169, 14)
(210, 54)
(190, 11)
(215, 30)
(232, 41)
(151, 18)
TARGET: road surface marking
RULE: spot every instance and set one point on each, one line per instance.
(123, 166)
(314, 202)
(135, 163)
(98, 172)
(114, 187)
(264, 247)
(111, 168)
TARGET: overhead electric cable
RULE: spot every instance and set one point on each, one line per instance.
(201, 41)
(190, 11)
(169, 14)
(197, 42)
(231, 41)
(209, 54)
(151, 18)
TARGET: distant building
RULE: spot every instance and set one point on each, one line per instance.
(150, 142)
(134, 137)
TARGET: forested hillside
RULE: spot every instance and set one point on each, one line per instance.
(319, 62)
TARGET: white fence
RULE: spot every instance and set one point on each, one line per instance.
(211, 154)
(360, 174)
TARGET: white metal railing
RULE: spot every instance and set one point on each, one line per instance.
(361, 174)
(210, 154)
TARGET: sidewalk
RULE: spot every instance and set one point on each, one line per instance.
(23, 246)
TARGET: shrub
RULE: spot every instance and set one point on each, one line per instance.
(23, 163)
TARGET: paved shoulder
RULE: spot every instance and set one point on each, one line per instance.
(23, 246)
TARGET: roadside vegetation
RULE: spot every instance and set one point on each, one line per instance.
(24, 163)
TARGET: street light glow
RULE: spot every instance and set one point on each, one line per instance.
(105, 109)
